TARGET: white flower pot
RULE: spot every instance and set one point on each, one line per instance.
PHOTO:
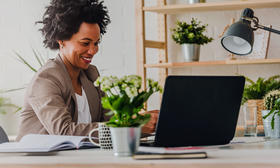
(125, 140)
(268, 131)
(191, 52)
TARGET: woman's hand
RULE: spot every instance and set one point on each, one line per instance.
(151, 125)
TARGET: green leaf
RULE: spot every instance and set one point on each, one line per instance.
(22, 60)
(109, 113)
(37, 57)
(118, 103)
(106, 103)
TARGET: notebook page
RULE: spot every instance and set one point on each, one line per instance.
(42, 143)
(50, 142)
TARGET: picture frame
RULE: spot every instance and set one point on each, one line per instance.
(261, 45)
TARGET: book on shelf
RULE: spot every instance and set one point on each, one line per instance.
(46, 143)
(147, 153)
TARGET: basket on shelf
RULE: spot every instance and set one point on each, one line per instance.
(260, 106)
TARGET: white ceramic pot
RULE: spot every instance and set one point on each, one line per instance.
(268, 131)
(191, 52)
(125, 140)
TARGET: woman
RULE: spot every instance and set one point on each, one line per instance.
(61, 98)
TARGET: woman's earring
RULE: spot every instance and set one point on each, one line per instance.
(61, 45)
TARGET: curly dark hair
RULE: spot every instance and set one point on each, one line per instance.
(63, 18)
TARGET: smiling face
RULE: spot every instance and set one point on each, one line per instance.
(78, 51)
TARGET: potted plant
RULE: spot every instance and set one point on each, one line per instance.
(254, 93)
(271, 119)
(190, 36)
(125, 99)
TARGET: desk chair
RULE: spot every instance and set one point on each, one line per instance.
(3, 136)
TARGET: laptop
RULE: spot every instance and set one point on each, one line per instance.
(198, 110)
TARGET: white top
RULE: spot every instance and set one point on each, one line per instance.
(83, 108)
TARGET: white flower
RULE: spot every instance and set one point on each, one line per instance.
(131, 92)
(116, 90)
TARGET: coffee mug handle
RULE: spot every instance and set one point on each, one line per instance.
(90, 139)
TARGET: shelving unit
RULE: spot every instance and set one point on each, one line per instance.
(210, 63)
(213, 6)
(162, 9)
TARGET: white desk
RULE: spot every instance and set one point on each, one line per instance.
(252, 155)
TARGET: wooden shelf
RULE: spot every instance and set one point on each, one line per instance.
(213, 6)
(211, 63)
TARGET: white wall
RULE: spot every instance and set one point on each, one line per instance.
(117, 52)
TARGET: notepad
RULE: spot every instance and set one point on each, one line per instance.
(146, 153)
(46, 143)
(191, 155)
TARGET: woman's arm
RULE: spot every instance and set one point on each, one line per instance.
(46, 98)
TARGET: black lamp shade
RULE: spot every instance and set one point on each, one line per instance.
(239, 38)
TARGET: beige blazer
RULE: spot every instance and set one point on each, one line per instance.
(50, 105)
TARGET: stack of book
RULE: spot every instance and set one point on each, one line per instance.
(146, 153)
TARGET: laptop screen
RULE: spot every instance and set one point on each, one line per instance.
(199, 110)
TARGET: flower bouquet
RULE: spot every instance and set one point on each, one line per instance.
(125, 99)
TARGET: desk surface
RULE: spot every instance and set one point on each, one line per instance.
(252, 155)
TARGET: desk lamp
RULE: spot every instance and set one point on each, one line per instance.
(239, 38)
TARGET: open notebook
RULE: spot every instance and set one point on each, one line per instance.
(46, 143)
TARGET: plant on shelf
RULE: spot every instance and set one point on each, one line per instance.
(272, 105)
(258, 89)
(125, 98)
(190, 36)
(254, 93)
(190, 33)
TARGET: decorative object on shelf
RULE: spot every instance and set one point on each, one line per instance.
(190, 36)
(196, 1)
(239, 38)
(254, 93)
(271, 119)
(104, 136)
(125, 99)
(261, 45)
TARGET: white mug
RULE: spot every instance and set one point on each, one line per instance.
(104, 136)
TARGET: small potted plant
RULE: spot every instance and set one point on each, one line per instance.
(254, 93)
(190, 36)
(271, 114)
(125, 99)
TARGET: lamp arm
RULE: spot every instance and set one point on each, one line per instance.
(268, 29)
